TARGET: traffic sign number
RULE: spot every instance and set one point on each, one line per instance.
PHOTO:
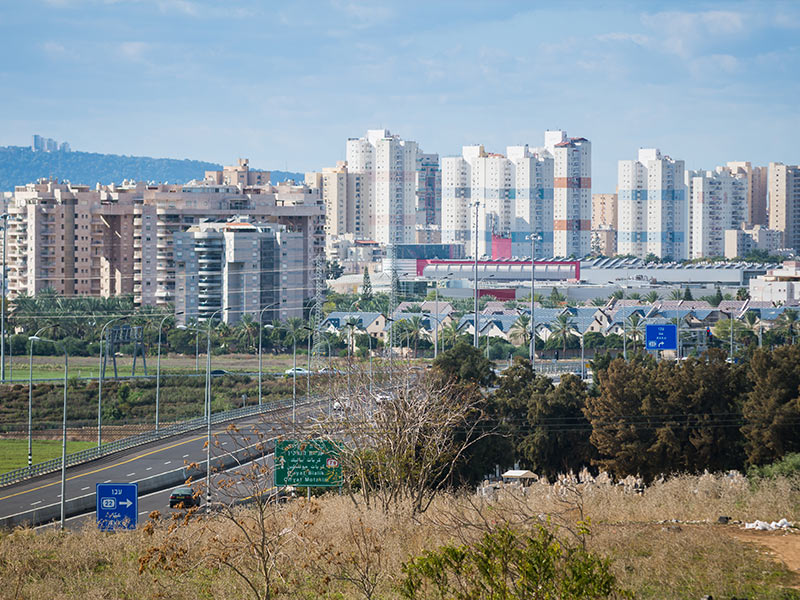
(117, 505)
(312, 463)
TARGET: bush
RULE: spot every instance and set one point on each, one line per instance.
(512, 565)
(788, 466)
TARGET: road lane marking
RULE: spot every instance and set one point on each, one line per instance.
(149, 469)
(130, 474)
(85, 488)
(35, 503)
(184, 456)
(124, 462)
(168, 462)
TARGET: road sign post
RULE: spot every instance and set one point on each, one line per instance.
(312, 463)
(661, 337)
(117, 506)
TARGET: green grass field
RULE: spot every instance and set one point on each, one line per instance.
(14, 453)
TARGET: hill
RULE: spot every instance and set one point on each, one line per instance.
(21, 165)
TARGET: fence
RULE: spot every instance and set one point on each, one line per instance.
(77, 458)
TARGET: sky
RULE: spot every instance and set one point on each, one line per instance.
(286, 83)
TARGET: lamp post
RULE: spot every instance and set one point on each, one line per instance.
(475, 337)
(4, 216)
(32, 339)
(260, 336)
(350, 324)
(158, 364)
(63, 428)
(533, 237)
(436, 332)
(583, 361)
(100, 384)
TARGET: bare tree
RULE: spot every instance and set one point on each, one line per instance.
(403, 442)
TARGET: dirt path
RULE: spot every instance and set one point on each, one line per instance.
(784, 545)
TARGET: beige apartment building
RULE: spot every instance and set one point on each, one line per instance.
(111, 240)
(604, 211)
(756, 190)
(784, 202)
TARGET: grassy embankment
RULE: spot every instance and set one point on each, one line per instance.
(328, 549)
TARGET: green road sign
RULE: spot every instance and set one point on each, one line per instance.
(312, 463)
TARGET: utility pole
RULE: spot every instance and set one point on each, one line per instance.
(475, 339)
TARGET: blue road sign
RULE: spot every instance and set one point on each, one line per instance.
(661, 337)
(117, 505)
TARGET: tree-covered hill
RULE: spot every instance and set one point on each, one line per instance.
(21, 165)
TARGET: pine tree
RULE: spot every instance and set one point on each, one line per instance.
(687, 294)
(366, 288)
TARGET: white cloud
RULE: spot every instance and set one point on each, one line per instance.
(134, 51)
(682, 32)
(637, 38)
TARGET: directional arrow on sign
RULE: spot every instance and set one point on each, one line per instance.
(125, 503)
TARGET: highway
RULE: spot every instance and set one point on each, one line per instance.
(137, 464)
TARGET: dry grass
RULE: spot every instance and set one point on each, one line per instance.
(337, 550)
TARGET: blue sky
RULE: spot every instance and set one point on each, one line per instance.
(285, 83)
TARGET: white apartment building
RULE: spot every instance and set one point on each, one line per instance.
(388, 166)
(784, 202)
(740, 242)
(652, 207)
(514, 196)
(718, 202)
(779, 286)
(572, 193)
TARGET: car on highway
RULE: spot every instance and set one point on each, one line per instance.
(183, 497)
(218, 372)
(297, 371)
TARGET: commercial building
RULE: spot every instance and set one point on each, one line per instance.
(239, 268)
(779, 286)
(784, 202)
(653, 214)
(604, 210)
(740, 242)
(718, 203)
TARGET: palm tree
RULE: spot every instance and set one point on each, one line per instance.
(635, 327)
(652, 297)
(599, 302)
(450, 332)
(634, 296)
(676, 295)
(246, 331)
(752, 322)
(789, 323)
(414, 329)
(564, 329)
(520, 332)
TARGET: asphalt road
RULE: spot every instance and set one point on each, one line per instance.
(135, 465)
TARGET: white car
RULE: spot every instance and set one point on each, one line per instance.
(297, 371)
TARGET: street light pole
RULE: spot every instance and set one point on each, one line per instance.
(100, 384)
(4, 216)
(64, 442)
(533, 237)
(475, 337)
(158, 365)
(31, 339)
(260, 336)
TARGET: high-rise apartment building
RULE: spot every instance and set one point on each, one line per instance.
(514, 196)
(345, 203)
(572, 193)
(604, 210)
(239, 268)
(784, 202)
(429, 190)
(388, 166)
(718, 202)
(652, 207)
(756, 193)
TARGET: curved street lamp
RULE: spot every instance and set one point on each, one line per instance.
(32, 339)
(100, 383)
(158, 362)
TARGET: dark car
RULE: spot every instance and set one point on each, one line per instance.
(219, 372)
(183, 497)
